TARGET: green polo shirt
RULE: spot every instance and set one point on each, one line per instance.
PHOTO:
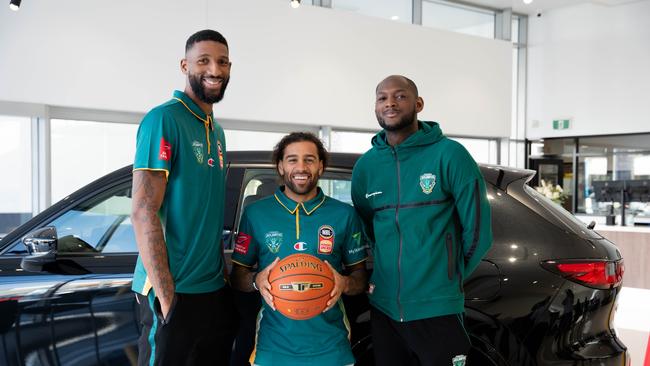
(277, 226)
(178, 138)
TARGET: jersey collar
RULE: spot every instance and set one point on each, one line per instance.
(193, 108)
(292, 206)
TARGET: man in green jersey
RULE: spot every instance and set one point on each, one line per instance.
(177, 214)
(424, 206)
(299, 218)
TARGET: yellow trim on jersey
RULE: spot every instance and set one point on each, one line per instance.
(251, 359)
(352, 264)
(346, 322)
(207, 122)
(147, 286)
(241, 264)
(155, 170)
(315, 207)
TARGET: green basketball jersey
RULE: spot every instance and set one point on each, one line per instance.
(277, 226)
(178, 138)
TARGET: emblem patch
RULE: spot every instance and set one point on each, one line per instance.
(242, 243)
(325, 239)
(300, 246)
(459, 360)
(220, 152)
(165, 152)
(273, 240)
(427, 182)
(197, 147)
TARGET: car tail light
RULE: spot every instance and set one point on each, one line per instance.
(599, 274)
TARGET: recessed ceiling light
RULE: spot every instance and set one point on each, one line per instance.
(528, 2)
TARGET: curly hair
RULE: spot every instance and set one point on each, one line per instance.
(278, 151)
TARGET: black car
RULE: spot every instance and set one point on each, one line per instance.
(545, 294)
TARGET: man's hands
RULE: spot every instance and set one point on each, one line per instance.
(341, 284)
(262, 283)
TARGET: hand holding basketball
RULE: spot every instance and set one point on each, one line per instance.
(340, 284)
(262, 282)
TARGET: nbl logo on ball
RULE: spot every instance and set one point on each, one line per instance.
(300, 286)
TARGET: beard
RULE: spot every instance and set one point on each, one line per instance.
(404, 122)
(203, 95)
(313, 182)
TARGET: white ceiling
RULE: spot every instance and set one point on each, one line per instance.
(540, 6)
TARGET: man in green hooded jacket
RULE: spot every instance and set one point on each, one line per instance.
(423, 203)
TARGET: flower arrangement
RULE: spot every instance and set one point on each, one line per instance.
(553, 192)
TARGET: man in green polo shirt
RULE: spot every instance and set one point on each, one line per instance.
(299, 218)
(177, 215)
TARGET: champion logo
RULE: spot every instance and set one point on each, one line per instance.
(368, 195)
(211, 162)
(300, 246)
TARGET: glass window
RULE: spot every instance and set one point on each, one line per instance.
(83, 151)
(457, 18)
(515, 29)
(350, 142)
(397, 10)
(237, 140)
(16, 168)
(482, 150)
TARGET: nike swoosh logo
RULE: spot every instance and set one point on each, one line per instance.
(368, 195)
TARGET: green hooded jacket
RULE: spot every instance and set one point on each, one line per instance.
(425, 210)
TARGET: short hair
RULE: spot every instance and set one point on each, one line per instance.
(205, 35)
(410, 82)
(278, 151)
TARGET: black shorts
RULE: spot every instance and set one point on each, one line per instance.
(199, 330)
(425, 342)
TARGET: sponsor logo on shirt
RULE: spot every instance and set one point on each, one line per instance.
(356, 250)
(427, 182)
(273, 240)
(241, 243)
(325, 239)
(368, 195)
(211, 162)
(459, 360)
(197, 147)
(165, 152)
(300, 246)
(220, 152)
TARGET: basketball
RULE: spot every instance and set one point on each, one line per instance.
(301, 285)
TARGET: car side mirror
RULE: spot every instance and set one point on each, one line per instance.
(42, 247)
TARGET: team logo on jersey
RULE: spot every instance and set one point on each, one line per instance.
(458, 360)
(427, 182)
(325, 239)
(273, 240)
(165, 152)
(300, 286)
(220, 152)
(197, 147)
(300, 246)
(242, 243)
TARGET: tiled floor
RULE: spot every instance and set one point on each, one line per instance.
(632, 323)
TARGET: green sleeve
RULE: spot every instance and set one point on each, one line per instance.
(354, 250)
(468, 189)
(246, 247)
(361, 205)
(156, 142)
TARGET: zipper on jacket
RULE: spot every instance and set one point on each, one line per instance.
(399, 233)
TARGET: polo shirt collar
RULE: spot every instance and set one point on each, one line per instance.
(292, 206)
(195, 109)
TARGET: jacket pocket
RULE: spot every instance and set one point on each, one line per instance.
(451, 258)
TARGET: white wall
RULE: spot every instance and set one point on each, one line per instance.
(590, 63)
(309, 65)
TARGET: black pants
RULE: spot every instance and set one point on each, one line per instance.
(199, 330)
(426, 342)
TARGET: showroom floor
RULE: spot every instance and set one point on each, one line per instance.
(632, 322)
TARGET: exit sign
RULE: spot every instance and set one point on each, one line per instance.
(561, 124)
